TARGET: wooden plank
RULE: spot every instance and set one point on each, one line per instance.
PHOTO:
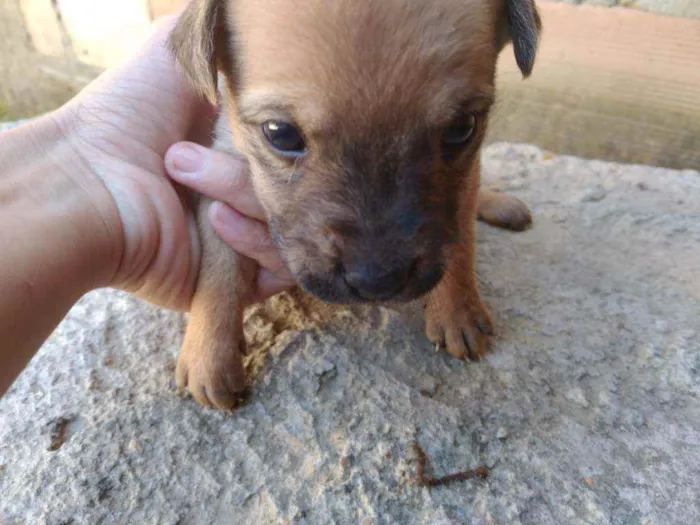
(612, 84)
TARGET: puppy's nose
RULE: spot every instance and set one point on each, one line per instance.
(375, 283)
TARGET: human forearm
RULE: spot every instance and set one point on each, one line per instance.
(53, 247)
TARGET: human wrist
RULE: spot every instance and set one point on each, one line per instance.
(52, 195)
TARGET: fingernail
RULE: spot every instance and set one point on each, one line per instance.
(187, 159)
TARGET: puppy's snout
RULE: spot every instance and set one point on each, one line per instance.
(374, 283)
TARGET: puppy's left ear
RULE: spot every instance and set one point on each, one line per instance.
(519, 23)
(193, 43)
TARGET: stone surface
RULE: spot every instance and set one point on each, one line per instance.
(586, 411)
(5, 126)
(594, 193)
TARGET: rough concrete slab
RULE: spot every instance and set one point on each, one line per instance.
(586, 412)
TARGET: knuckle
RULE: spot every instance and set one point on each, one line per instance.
(237, 180)
(262, 242)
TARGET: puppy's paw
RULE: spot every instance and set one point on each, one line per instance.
(503, 211)
(461, 325)
(212, 371)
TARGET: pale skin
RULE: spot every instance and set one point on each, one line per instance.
(90, 197)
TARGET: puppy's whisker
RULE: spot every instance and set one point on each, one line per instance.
(294, 170)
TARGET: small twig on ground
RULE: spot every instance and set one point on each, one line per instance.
(57, 432)
(425, 480)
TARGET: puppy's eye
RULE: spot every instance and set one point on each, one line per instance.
(459, 133)
(284, 137)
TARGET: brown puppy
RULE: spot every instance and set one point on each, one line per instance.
(362, 122)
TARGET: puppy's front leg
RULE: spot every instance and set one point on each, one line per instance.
(455, 314)
(210, 364)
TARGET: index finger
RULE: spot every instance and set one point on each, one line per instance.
(220, 176)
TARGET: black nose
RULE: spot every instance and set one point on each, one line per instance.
(376, 283)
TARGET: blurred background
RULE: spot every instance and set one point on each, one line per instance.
(615, 79)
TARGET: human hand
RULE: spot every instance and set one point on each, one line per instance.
(236, 215)
(121, 128)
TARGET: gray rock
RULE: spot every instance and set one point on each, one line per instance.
(429, 386)
(577, 396)
(594, 193)
(602, 414)
(6, 126)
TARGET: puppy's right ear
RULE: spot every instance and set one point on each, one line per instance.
(520, 24)
(193, 44)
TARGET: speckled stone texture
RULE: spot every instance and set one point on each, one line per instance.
(6, 126)
(586, 411)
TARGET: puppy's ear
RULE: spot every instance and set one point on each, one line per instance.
(193, 42)
(520, 24)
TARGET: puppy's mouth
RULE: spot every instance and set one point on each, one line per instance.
(331, 282)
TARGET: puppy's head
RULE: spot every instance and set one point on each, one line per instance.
(361, 121)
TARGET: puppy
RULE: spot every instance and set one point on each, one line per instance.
(362, 122)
